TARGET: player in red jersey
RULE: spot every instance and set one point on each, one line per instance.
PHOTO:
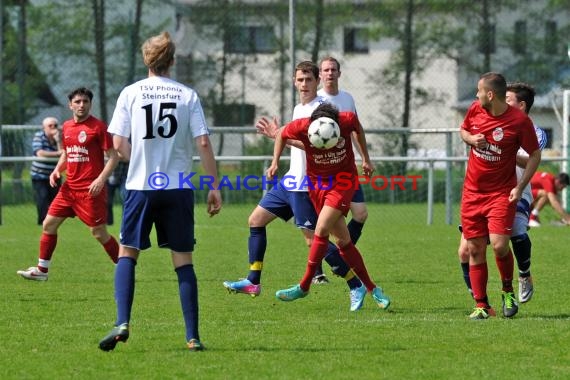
(84, 141)
(333, 174)
(545, 187)
(495, 132)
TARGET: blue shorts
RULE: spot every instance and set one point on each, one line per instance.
(358, 196)
(287, 204)
(171, 212)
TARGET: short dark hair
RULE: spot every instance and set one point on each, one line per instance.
(330, 59)
(80, 91)
(495, 82)
(325, 110)
(307, 67)
(524, 92)
(563, 178)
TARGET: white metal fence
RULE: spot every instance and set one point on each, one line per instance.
(436, 183)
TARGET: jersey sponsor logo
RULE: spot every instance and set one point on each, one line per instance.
(82, 137)
(498, 134)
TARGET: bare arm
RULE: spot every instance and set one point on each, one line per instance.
(60, 167)
(122, 146)
(477, 141)
(531, 166)
(555, 203)
(277, 151)
(270, 128)
(367, 167)
(206, 152)
(99, 183)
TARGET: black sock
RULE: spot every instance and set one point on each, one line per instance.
(355, 230)
(521, 249)
(465, 269)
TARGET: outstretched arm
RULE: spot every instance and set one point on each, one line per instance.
(277, 151)
(555, 203)
(269, 128)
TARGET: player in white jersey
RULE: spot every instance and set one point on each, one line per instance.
(519, 95)
(329, 73)
(155, 125)
(290, 199)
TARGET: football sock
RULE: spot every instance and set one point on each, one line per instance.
(521, 249)
(112, 249)
(47, 247)
(506, 266)
(188, 289)
(534, 212)
(340, 268)
(124, 288)
(257, 244)
(465, 269)
(479, 275)
(319, 270)
(355, 230)
(316, 253)
(353, 258)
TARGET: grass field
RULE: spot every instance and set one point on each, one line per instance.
(50, 330)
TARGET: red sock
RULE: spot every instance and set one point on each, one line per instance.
(47, 247)
(506, 266)
(353, 258)
(112, 249)
(317, 251)
(479, 275)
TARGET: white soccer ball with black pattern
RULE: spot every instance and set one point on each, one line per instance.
(324, 133)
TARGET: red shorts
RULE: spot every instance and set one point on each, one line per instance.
(90, 210)
(338, 199)
(486, 213)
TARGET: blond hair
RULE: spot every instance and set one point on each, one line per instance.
(158, 53)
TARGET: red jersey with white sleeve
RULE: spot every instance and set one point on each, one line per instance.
(323, 163)
(543, 181)
(492, 169)
(85, 144)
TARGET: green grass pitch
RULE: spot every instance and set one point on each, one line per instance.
(50, 330)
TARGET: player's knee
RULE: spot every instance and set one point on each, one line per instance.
(100, 233)
(343, 242)
(360, 214)
(501, 248)
(463, 254)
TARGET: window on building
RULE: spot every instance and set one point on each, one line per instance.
(487, 39)
(251, 40)
(355, 40)
(520, 40)
(550, 37)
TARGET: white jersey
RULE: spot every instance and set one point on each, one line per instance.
(343, 100)
(541, 137)
(298, 164)
(162, 118)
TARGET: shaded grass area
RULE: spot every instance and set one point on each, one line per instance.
(51, 329)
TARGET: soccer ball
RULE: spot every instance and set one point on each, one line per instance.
(324, 133)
